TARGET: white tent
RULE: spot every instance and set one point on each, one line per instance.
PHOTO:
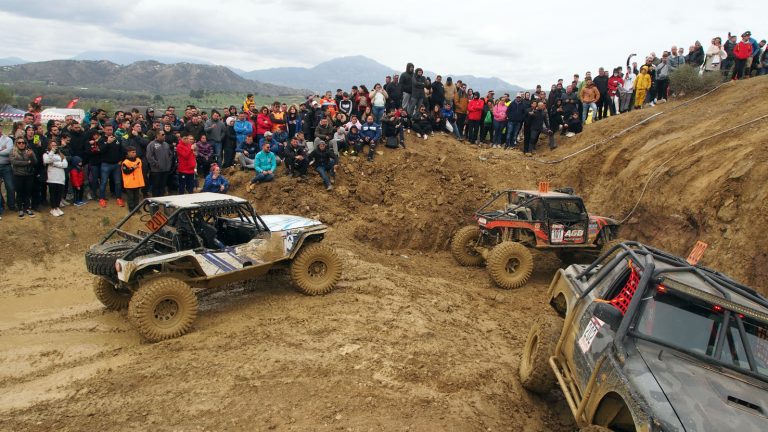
(9, 112)
(60, 113)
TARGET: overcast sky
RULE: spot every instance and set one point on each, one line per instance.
(524, 43)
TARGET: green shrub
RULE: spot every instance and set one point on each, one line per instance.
(687, 79)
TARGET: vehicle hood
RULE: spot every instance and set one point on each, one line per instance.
(704, 397)
(288, 222)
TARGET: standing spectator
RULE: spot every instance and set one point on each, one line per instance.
(417, 93)
(695, 56)
(516, 112)
(486, 128)
(363, 100)
(24, 163)
(615, 82)
(438, 92)
(675, 61)
(215, 132)
(499, 114)
(263, 124)
(642, 84)
(324, 160)
(133, 177)
(77, 180)
(662, 78)
(475, 109)
(6, 172)
(194, 127)
(604, 102)
(296, 159)
(160, 158)
(215, 182)
(714, 56)
(395, 94)
(111, 154)
(741, 53)
(406, 87)
(728, 61)
(279, 128)
(370, 134)
(56, 165)
(627, 92)
(539, 120)
(293, 119)
(230, 142)
(185, 152)
(379, 101)
(755, 51)
(204, 156)
(264, 165)
(460, 102)
(345, 105)
(449, 91)
(589, 97)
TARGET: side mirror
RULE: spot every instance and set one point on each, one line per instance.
(609, 314)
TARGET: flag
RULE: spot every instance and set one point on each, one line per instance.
(37, 99)
(73, 102)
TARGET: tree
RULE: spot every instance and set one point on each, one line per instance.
(157, 98)
(6, 96)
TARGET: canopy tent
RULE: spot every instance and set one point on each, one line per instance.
(59, 114)
(9, 112)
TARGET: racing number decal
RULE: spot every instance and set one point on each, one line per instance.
(157, 221)
(586, 339)
(557, 233)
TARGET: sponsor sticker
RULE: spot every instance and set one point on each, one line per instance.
(482, 221)
(590, 333)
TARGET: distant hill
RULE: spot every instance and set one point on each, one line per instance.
(344, 72)
(151, 76)
(128, 57)
(7, 61)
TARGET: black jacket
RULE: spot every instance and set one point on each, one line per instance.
(111, 153)
(393, 90)
(406, 79)
(195, 129)
(539, 120)
(601, 82)
(322, 157)
(419, 83)
(438, 94)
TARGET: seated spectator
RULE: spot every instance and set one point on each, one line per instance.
(324, 132)
(572, 125)
(339, 120)
(247, 152)
(392, 128)
(436, 119)
(214, 181)
(421, 123)
(353, 121)
(340, 137)
(324, 160)
(354, 140)
(449, 117)
(264, 164)
(296, 161)
(370, 133)
(274, 145)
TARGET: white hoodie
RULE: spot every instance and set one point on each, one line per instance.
(56, 164)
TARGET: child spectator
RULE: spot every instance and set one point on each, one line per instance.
(77, 180)
(204, 156)
(133, 177)
(56, 176)
(354, 140)
(214, 181)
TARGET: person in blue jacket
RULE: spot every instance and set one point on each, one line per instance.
(214, 181)
(370, 133)
(265, 165)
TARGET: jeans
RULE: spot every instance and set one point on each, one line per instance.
(93, 179)
(661, 88)
(416, 102)
(158, 180)
(216, 151)
(262, 177)
(377, 113)
(498, 126)
(472, 129)
(587, 106)
(455, 127)
(245, 161)
(108, 169)
(24, 185)
(6, 174)
(186, 183)
(325, 172)
(406, 102)
(513, 130)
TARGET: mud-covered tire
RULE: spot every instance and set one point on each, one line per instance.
(163, 308)
(510, 265)
(609, 245)
(100, 258)
(109, 296)
(316, 269)
(536, 374)
(460, 243)
(595, 428)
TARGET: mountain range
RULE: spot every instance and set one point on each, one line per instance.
(129, 71)
(344, 72)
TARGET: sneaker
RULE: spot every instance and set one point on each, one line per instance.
(64, 203)
(53, 213)
(425, 137)
(329, 188)
(120, 202)
(652, 104)
(103, 203)
(21, 214)
(79, 203)
(30, 213)
(418, 135)
(59, 212)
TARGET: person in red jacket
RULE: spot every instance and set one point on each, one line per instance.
(741, 52)
(263, 124)
(474, 114)
(614, 82)
(77, 180)
(185, 152)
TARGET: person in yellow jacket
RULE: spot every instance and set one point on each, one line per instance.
(133, 177)
(642, 84)
(248, 102)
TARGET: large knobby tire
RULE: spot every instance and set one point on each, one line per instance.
(462, 246)
(535, 371)
(316, 269)
(163, 308)
(510, 265)
(595, 428)
(110, 296)
(610, 244)
(100, 258)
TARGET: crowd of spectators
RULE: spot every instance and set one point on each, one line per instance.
(133, 154)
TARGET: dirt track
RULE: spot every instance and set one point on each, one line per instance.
(409, 341)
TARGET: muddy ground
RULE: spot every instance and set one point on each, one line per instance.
(409, 340)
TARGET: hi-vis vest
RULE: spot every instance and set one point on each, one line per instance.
(135, 179)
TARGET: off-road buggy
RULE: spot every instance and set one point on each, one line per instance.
(642, 340)
(154, 258)
(513, 221)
